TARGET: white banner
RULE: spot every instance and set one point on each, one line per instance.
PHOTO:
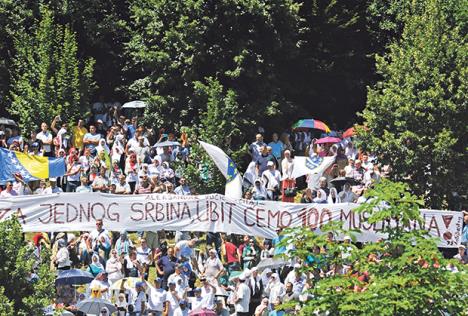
(204, 213)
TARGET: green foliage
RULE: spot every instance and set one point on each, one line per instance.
(406, 273)
(219, 124)
(415, 113)
(48, 77)
(26, 297)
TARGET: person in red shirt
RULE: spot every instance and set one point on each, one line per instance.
(231, 255)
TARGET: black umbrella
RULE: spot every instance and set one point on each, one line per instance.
(74, 276)
(340, 181)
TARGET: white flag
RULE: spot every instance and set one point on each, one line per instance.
(228, 169)
(311, 165)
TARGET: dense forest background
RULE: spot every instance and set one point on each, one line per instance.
(283, 59)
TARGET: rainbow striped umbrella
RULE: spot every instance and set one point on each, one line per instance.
(311, 123)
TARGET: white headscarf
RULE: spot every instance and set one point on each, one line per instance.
(330, 198)
(322, 198)
(102, 146)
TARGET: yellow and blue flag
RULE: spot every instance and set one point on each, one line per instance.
(31, 167)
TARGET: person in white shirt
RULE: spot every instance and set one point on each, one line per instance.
(101, 285)
(349, 169)
(114, 267)
(172, 299)
(144, 255)
(197, 302)
(208, 291)
(53, 187)
(272, 179)
(122, 187)
(242, 298)
(41, 188)
(95, 237)
(139, 300)
(182, 310)
(275, 288)
(213, 266)
(62, 258)
(45, 136)
(9, 191)
(154, 168)
(158, 299)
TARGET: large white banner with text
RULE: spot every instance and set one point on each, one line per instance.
(204, 213)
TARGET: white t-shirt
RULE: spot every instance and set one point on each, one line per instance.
(45, 137)
(197, 302)
(96, 235)
(208, 297)
(173, 304)
(180, 312)
(156, 299)
(140, 298)
(243, 293)
(143, 255)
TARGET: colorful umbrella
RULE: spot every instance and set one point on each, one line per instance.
(328, 140)
(202, 312)
(311, 123)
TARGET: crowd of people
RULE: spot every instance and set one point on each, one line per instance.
(179, 272)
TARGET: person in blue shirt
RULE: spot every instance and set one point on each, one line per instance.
(275, 241)
(277, 146)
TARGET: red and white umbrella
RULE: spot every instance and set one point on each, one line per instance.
(328, 140)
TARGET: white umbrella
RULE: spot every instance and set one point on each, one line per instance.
(134, 105)
(167, 143)
(94, 306)
(7, 121)
(271, 263)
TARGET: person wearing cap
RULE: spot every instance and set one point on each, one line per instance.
(208, 292)
(91, 139)
(461, 256)
(242, 297)
(213, 267)
(197, 302)
(220, 310)
(158, 303)
(173, 298)
(179, 278)
(139, 298)
(182, 310)
(272, 179)
(53, 188)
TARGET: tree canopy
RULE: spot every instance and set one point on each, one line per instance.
(415, 114)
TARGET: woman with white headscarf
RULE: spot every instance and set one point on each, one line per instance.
(102, 146)
(167, 174)
(114, 267)
(321, 197)
(333, 197)
(249, 176)
(276, 288)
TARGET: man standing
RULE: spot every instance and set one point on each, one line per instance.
(242, 299)
(277, 146)
(183, 188)
(166, 266)
(45, 136)
(272, 179)
(254, 148)
(139, 301)
(157, 300)
(78, 131)
(91, 139)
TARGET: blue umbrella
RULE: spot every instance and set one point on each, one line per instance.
(74, 276)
